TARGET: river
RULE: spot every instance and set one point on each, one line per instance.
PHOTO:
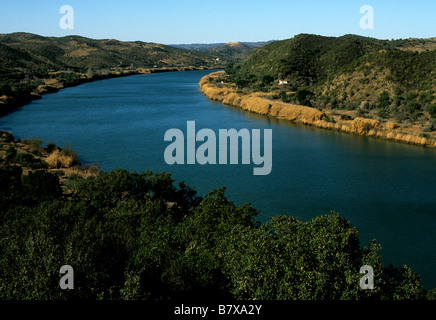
(385, 189)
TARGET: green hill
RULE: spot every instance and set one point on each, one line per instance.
(232, 51)
(29, 61)
(226, 52)
(82, 53)
(396, 77)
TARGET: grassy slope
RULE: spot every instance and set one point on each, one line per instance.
(342, 72)
(348, 77)
(80, 52)
(31, 64)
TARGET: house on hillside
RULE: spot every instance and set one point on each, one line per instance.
(282, 82)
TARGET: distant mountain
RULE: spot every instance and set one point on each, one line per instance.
(197, 46)
(24, 50)
(232, 51)
(207, 46)
(31, 64)
(398, 77)
(226, 52)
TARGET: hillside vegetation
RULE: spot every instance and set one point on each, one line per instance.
(140, 236)
(371, 78)
(227, 52)
(31, 64)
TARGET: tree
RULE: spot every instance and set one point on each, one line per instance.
(138, 236)
(432, 110)
(384, 101)
(315, 260)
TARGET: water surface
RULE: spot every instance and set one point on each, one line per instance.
(386, 189)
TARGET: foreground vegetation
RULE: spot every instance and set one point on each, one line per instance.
(139, 236)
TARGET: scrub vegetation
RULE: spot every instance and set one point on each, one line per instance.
(141, 236)
(377, 78)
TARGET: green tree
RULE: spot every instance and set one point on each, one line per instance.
(384, 101)
(432, 110)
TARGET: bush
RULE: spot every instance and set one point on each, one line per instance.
(11, 152)
(412, 106)
(91, 168)
(346, 117)
(384, 100)
(27, 160)
(6, 136)
(432, 110)
(328, 119)
(33, 143)
(429, 128)
(62, 158)
(384, 113)
(40, 185)
(137, 236)
(59, 159)
(50, 146)
(72, 181)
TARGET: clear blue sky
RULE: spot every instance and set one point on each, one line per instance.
(208, 21)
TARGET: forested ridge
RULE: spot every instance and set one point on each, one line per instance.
(387, 79)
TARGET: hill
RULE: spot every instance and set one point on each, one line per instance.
(227, 52)
(78, 52)
(378, 78)
(232, 51)
(31, 64)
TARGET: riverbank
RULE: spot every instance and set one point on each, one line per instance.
(30, 156)
(215, 88)
(56, 83)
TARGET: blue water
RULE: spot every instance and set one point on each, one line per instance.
(386, 189)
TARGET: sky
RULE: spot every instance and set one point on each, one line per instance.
(220, 21)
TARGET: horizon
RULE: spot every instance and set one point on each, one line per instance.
(211, 43)
(173, 22)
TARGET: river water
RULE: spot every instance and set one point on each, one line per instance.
(385, 189)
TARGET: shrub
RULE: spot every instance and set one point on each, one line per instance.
(6, 136)
(328, 119)
(346, 117)
(432, 110)
(59, 159)
(50, 146)
(384, 113)
(91, 168)
(412, 106)
(429, 128)
(11, 152)
(72, 181)
(384, 100)
(41, 185)
(27, 160)
(33, 143)
(68, 151)
(62, 158)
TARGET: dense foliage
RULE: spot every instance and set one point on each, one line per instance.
(138, 236)
(27, 60)
(396, 77)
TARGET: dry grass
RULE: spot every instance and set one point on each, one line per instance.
(363, 126)
(59, 159)
(259, 103)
